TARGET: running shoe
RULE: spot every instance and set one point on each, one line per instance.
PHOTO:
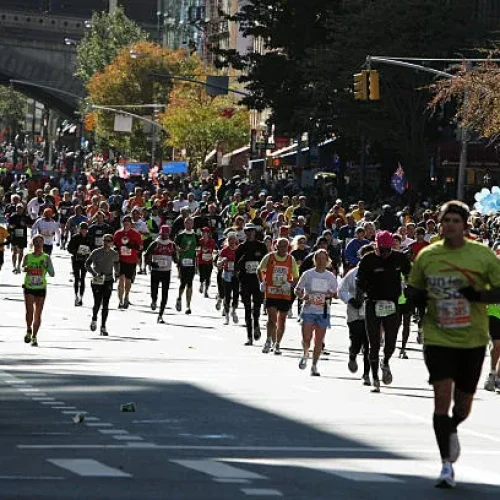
(104, 332)
(120, 305)
(386, 374)
(420, 337)
(126, 304)
(314, 371)
(77, 301)
(256, 332)
(366, 380)
(402, 354)
(454, 447)
(80, 302)
(376, 386)
(93, 325)
(352, 365)
(201, 288)
(447, 477)
(27, 337)
(178, 305)
(218, 304)
(188, 311)
(497, 383)
(19, 270)
(249, 342)
(34, 342)
(234, 316)
(267, 347)
(160, 320)
(277, 350)
(153, 305)
(226, 319)
(206, 294)
(14, 270)
(290, 313)
(489, 385)
(303, 363)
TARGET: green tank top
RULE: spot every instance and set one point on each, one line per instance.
(494, 310)
(402, 298)
(36, 271)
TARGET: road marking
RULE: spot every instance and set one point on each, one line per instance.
(230, 481)
(57, 403)
(72, 412)
(65, 407)
(92, 419)
(127, 438)
(217, 469)
(42, 398)
(31, 478)
(87, 467)
(112, 431)
(98, 424)
(262, 492)
(27, 389)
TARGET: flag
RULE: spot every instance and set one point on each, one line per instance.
(398, 180)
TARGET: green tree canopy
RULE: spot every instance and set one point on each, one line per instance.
(107, 36)
(12, 110)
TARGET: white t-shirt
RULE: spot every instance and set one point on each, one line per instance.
(178, 204)
(316, 285)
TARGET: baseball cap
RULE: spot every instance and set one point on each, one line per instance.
(384, 239)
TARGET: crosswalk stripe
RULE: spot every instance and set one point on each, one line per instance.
(87, 467)
(217, 469)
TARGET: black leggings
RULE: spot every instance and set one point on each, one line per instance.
(205, 273)
(373, 329)
(250, 292)
(158, 277)
(220, 285)
(102, 294)
(231, 289)
(79, 272)
(359, 340)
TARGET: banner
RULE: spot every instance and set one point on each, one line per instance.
(174, 167)
(123, 123)
(137, 168)
(398, 180)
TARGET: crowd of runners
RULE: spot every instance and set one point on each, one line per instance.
(437, 268)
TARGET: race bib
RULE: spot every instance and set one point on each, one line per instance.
(99, 241)
(187, 262)
(19, 233)
(206, 257)
(280, 275)
(125, 251)
(83, 250)
(98, 280)
(164, 261)
(319, 285)
(384, 308)
(317, 299)
(34, 280)
(453, 313)
(251, 266)
(230, 266)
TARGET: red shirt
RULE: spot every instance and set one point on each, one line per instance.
(230, 255)
(205, 252)
(416, 246)
(121, 238)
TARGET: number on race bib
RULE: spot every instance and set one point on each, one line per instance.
(187, 262)
(384, 308)
(206, 257)
(453, 313)
(251, 266)
(125, 251)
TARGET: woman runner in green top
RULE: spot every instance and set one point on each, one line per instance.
(36, 265)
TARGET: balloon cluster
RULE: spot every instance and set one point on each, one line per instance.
(487, 202)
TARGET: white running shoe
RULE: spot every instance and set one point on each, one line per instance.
(267, 347)
(234, 316)
(303, 363)
(447, 477)
(226, 319)
(489, 385)
(454, 447)
(376, 386)
(290, 313)
(277, 350)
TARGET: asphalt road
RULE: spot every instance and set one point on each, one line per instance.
(214, 419)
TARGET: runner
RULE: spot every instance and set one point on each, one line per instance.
(277, 272)
(142, 228)
(128, 243)
(186, 242)
(47, 227)
(230, 280)
(158, 256)
(248, 257)
(205, 259)
(100, 264)
(492, 382)
(65, 212)
(356, 319)
(98, 229)
(316, 287)
(79, 247)
(4, 240)
(455, 277)
(74, 222)
(18, 228)
(36, 265)
(379, 279)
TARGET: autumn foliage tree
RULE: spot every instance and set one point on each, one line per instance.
(197, 122)
(130, 81)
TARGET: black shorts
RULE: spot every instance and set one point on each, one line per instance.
(39, 292)
(494, 328)
(19, 242)
(186, 275)
(127, 269)
(463, 366)
(279, 304)
(405, 308)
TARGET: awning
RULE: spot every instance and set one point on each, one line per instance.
(237, 152)
(292, 150)
(211, 155)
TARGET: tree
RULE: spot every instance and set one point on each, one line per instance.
(130, 81)
(476, 93)
(197, 123)
(107, 36)
(12, 110)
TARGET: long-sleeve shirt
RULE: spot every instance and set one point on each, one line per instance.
(346, 292)
(48, 228)
(102, 262)
(351, 250)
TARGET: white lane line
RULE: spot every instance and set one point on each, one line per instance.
(57, 403)
(92, 419)
(27, 389)
(41, 397)
(218, 469)
(66, 407)
(73, 412)
(230, 481)
(31, 478)
(128, 437)
(112, 431)
(469, 432)
(87, 467)
(20, 382)
(262, 492)
(98, 424)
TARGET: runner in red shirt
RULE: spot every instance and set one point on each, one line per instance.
(128, 243)
(419, 243)
(205, 259)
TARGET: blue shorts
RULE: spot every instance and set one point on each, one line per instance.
(317, 319)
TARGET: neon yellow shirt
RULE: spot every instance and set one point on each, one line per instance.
(451, 320)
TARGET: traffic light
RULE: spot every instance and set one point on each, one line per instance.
(361, 86)
(374, 78)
